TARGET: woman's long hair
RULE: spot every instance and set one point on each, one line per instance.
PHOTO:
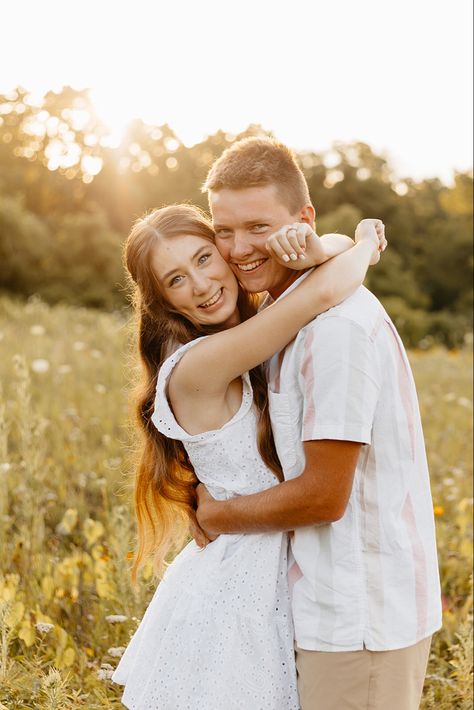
(165, 481)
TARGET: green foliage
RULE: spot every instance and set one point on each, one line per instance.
(68, 199)
(69, 257)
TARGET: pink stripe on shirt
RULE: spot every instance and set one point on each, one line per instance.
(419, 560)
(405, 387)
(307, 371)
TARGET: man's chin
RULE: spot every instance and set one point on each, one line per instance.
(250, 281)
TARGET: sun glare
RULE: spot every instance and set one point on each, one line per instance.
(115, 113)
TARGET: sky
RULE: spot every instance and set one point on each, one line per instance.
(396, 74)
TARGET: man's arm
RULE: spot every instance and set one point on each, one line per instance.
(320, 495)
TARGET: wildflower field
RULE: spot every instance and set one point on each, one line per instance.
(67, 608)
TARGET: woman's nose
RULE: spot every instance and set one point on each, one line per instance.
(201, 284)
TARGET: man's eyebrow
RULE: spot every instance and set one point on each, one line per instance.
(246, 223)
(194, 256)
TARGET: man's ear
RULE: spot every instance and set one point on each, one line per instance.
(307, 214)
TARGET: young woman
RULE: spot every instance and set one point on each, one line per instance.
(218, 631)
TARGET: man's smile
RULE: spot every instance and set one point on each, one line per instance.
(250, 266)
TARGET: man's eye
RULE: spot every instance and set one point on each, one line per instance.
(223, 233)
(259, 227)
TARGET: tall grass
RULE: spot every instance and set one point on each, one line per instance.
(67, 608)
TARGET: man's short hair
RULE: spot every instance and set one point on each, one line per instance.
(256, 162)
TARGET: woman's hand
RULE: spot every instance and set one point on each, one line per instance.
(372, 230)
(296, 246)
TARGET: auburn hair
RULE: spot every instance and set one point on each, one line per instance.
(257, 162)
(165, 481)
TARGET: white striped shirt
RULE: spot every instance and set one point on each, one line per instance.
(369, 580)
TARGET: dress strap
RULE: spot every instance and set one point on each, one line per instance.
(163, 417)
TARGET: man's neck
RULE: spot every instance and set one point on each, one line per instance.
(286, 283)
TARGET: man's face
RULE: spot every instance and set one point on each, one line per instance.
(243, 221)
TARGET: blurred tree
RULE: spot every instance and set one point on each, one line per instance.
(68, 197)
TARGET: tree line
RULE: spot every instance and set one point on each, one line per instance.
(68, 196)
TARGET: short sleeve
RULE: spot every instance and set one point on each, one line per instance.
(163, 417)
(340, 381)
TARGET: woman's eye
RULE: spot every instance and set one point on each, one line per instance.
(175, 280)
(203, 258)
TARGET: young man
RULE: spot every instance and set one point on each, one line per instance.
(346, 423)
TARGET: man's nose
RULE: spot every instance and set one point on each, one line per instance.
(241, 246)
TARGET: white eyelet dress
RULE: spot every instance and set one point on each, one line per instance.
(218, 633)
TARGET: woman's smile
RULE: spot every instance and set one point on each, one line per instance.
(215, 302)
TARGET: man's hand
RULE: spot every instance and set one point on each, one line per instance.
(204, 503)
(197, 533)
(372, 230)
(296, 246)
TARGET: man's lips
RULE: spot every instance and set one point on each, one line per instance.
(250, 266)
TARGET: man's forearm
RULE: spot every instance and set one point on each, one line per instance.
(289, 505)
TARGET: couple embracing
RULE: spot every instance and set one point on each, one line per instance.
(287, 432)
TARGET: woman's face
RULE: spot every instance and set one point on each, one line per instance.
(196, 281)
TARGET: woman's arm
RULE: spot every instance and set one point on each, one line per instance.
(334, 244)
(208, 368)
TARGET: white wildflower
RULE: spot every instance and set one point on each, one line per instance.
(5, 467)
(105, 672)
(100, 388)
(116, 618)
(40, 365)
(114, 462)
(96, 354)
(465, 402)
(43, 627)
(37, 330)
(116, 651)
(79, 345)
(75, 434)
(70, 412)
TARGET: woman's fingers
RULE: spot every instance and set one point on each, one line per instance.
(279, 245)
(289, 243)
(297, 234)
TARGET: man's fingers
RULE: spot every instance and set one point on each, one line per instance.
(197, 533)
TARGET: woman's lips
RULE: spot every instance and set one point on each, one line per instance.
(214, 302)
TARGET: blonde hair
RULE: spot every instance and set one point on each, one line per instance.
(165, 481)
(257, 162)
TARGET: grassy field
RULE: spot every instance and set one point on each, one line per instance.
(67, 607)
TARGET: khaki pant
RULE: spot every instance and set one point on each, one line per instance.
(362, 680)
